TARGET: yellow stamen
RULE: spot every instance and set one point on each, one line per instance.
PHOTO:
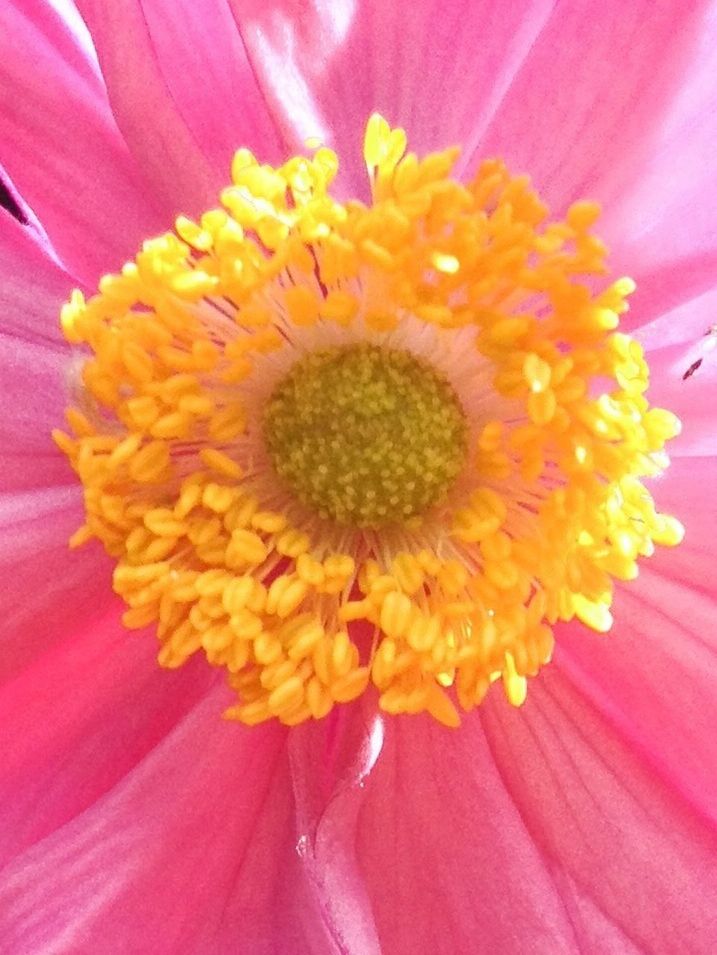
(335, 446)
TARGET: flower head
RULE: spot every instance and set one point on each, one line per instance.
(332, 444)
(131, 817)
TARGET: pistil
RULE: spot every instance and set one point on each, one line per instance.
(366, 436)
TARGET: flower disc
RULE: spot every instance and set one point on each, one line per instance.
(366, 436)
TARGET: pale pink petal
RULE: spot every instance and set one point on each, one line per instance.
(438, 69)
(662, 221)
(684, 325)
(193, 851)
(61, 147)
(667, 288)
(184, 93)
(675, 342)
(691, 399)
(586, 108)
(634, 864)
(615, 103)
(654, 676)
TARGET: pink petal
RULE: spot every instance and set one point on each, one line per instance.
(684, 325)
(32, 286)
(654, 676)
(61, 148)
(184, 93)
(82, 717)
(634, 865)
(193, 851)
(615, 104)
(438, 70)
(588, 103)
(47, 591)
(664, 288)
(34, 362)
(449, 863)
(32, 384)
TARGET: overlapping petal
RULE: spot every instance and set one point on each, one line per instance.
(61, 147)
(46, 593)
(615, 102)
(29, 309)
(448, 860)
(87, 711)
(330, 762)
(588, 103)
(531, 831)
(661, 217)
(184, 93)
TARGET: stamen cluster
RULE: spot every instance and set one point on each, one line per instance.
(179, 426)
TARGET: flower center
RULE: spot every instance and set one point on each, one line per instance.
(366, 436)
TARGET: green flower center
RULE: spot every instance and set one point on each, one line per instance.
(366, 436)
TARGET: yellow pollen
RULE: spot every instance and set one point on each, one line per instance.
(342, 448)
(365, 436)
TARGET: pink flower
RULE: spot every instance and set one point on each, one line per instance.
(133, 819)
